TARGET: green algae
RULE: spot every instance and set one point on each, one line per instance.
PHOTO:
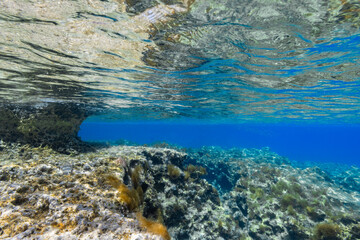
(173, 171)
(327, 231)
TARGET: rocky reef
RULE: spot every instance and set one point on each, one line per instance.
(137, 192)
(272, 199)
(55, 125)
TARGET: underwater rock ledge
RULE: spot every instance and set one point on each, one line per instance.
(136, 192)
(48, 124)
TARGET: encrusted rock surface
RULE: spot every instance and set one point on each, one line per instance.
(259, 195)
(53, 124)
(271, 199)
(46, 195)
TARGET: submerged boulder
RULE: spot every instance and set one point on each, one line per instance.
(55, 125)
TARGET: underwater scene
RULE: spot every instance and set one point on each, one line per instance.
(180, 119)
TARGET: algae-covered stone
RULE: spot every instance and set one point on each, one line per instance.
(54, 195)
(55, 125)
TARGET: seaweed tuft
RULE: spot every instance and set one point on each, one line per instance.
(153, 227)
(327, 231)
(173, 171)
(129, 197)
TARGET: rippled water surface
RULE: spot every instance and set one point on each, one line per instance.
(226, 59)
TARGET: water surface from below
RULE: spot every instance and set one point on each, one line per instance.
(237, 60)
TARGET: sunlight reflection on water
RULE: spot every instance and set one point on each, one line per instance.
(208, 60)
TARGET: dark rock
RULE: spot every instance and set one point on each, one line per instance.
(18, 200)
(175, 214)
(4, 176)
(240, 200)
(166, 156)
(295, 233)
(212, 194)
(271, 215)
(317, 215)
(347, 220)
(23, 189)
(255, 235)
(322, 174)
(355, 231)
(54, 124)
(352, 183)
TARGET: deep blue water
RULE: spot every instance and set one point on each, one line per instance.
(298, 142)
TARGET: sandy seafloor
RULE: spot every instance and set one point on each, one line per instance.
(137, 192)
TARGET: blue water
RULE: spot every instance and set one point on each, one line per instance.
(282, 74)
(278, 75)
(317, 122)
(298, 142)
(313, 119)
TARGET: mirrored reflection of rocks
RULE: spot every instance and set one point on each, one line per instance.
(50, 47)
(171, 58)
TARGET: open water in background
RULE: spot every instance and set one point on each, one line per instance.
(300, 142)
(228, 73)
